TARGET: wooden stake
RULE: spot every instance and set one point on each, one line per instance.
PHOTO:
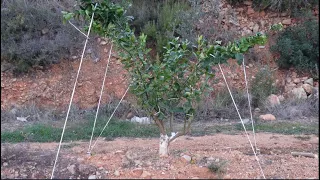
(304, 154)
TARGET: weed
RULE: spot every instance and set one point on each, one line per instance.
(221, 106)
(283, 128)
(262, 86)
(69, 145)
(218, 167)
(81, 131)
(303, 138)
(15, 136)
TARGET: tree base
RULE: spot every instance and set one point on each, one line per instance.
(164, 145)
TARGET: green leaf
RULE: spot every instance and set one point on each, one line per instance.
(239, 58)
(177, 110)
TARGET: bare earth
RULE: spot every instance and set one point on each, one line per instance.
(138, 158)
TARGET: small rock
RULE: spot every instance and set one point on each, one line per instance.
(145, 174)
(298, 93)
(255, 28)
(120, 152)
(103, 43)
(267, 117)
(308, 88)
(186, 157)
(5, 164)
(92, 177)
(137, 162)
(116, 173)
(288, 79)
(23, 119)
(296, 81)
(281, 98)
(45, 31)
(72, 169)
(257, 110)
(289, 87)
(74, 57)
(137, 172)
(286, 22)
(211, 159)
(130, 115)
(194, 178)
(250, 65)
(142, 120)
(309, 81)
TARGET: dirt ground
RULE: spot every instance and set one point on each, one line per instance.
(138, 158)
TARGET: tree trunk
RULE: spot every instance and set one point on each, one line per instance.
(164, 145)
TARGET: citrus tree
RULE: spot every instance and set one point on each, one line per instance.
(173, 84)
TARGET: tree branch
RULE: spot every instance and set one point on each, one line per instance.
(160, 125)
(185, 131)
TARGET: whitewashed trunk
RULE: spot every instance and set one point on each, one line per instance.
(164, 145)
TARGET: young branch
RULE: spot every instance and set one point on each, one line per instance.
(186, 130)
(171, 119)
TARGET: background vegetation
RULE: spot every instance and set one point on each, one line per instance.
(32, 34)
(298, 46)
(279, 5)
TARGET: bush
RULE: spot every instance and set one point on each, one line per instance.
(221, 106)
(294, 109)
(283, 5)
(298, 46)
(279, 5)
(163, 27)
(262, 86)
(32, 34)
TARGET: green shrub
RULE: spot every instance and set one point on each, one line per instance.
(298, 46)
(163, 27)
(262, 86)
(163, 20)
(32, 34)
